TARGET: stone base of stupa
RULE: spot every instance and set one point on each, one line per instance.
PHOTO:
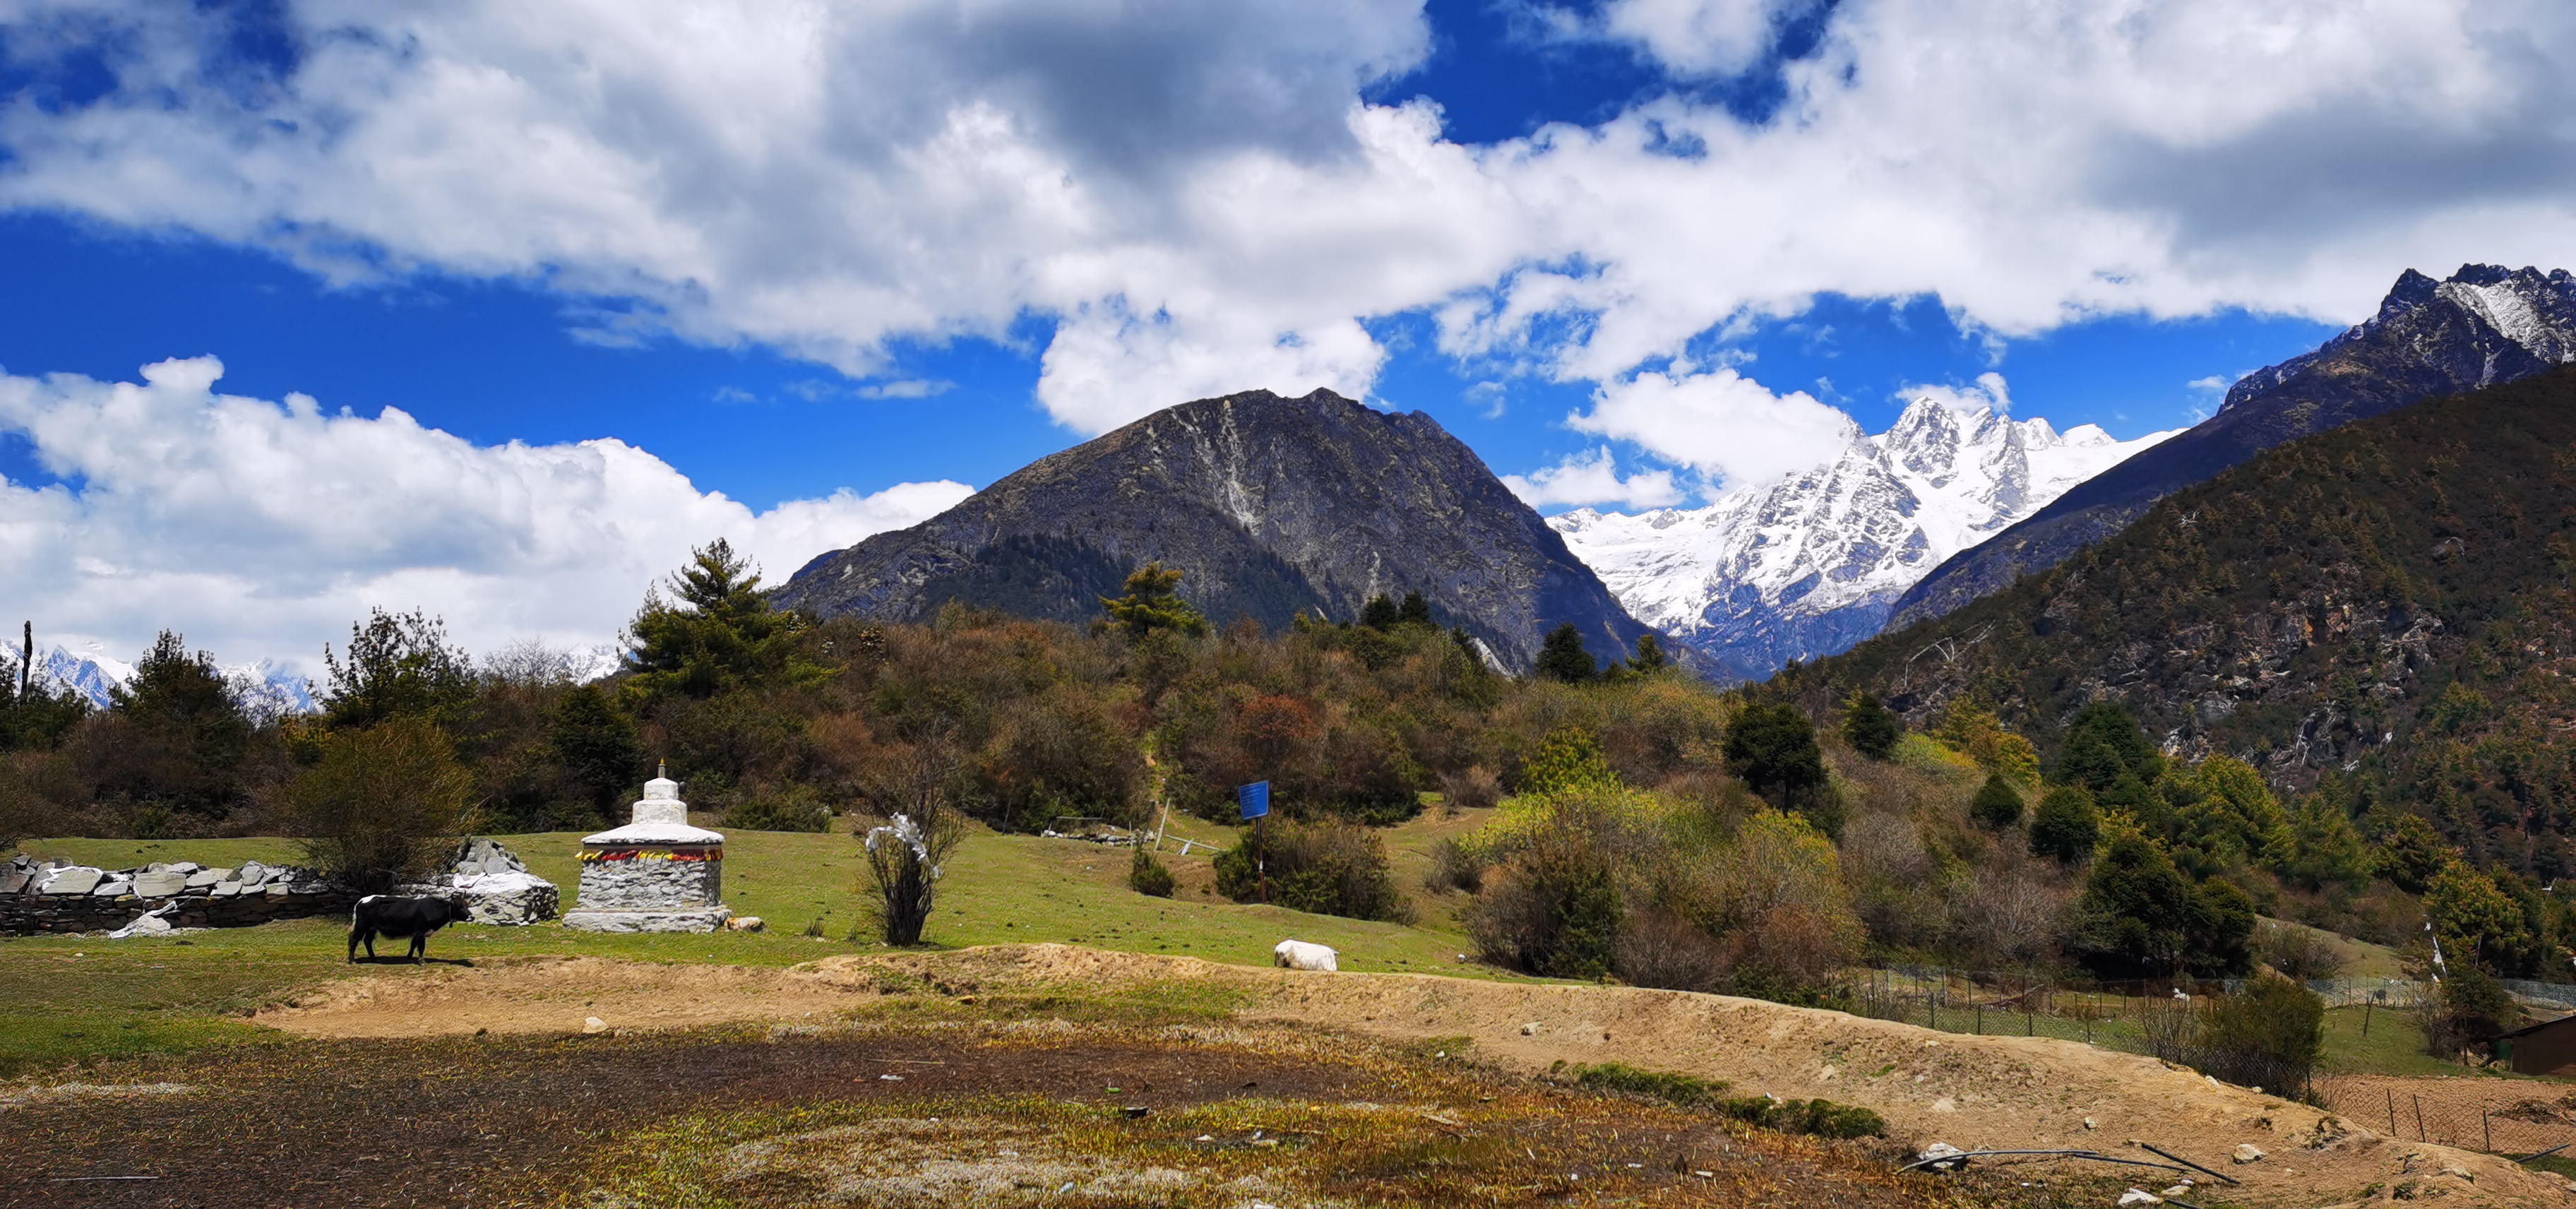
(697, 919)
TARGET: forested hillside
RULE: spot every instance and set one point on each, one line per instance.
(2381, 613)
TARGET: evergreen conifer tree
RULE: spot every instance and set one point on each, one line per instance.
(1650, 655)
(1997, 805)
(719, 633)
(1870, 727)
(1152, 603)
(2066, 825)
(1562, 657)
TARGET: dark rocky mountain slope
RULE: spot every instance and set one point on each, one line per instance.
(2390, 605)
(2484, 326)
(1269, 505)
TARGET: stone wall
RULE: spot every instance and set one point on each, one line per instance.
(39, 897)
(646, 883)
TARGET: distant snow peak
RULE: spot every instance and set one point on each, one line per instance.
(1807, 564)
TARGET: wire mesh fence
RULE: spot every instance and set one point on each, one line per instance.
(2155, 1017)
(2502, 1118)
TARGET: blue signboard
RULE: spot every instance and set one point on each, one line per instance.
(1255, 798)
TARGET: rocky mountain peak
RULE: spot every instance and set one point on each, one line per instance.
(1270, 506)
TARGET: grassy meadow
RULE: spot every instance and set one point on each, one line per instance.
(85, 998)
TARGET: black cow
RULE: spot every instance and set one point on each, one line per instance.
(412, 917)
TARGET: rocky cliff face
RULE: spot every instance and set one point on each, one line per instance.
(1811, 564)
(1269, 505)
(2484, 326)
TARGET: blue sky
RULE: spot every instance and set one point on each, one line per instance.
(841, 271)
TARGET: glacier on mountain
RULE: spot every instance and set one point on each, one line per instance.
(1809, 564)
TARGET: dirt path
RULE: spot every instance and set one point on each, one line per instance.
(1972, 1092)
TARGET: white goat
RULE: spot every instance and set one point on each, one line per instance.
(1299, 955)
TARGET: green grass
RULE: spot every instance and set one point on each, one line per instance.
(80, 999)
(2395, 1045)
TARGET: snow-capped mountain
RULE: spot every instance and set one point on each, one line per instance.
(2484, 326)
(265, 690)
(1808, 565)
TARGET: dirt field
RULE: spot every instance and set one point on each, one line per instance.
(1972, 1092)
(919, 1108)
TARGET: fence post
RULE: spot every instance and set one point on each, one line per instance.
(2392, 1114)
(2487, 1121)
(2420, 1135)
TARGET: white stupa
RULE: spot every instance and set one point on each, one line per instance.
(655, 874)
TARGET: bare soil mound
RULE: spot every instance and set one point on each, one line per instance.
(1971, 1092)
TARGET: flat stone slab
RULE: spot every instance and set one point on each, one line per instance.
(706, 919)
(79, 879)
(161, 884)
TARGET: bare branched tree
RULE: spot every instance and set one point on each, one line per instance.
(913, 792)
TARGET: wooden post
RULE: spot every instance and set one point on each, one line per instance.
(2487, 1121)
(1261, 853)
(2419, 1117)
(2392, 1114)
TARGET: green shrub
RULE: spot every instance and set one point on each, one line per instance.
(1148, 876)
(1685, 1090)
(1568, 760)
(1821, 1118)
(1328, 868)
(1556, 913)
(383, 804)
(2470, 1010)
(1826, 1119)
(2270, 1036)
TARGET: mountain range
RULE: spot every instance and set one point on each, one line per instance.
(263, 689)
(2390, 604)
(2482, 326)
(1269, 506)
(1812, 563)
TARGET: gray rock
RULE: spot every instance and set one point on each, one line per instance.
(252, 873)
(111, 889)
(225, 889)
(208, 877)
(74, 879)
(160, 883)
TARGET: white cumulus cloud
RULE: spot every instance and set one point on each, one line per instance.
(262, 529)
(1593, 478)
(1987, 393)
(1203, 201)
(1720, 423)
